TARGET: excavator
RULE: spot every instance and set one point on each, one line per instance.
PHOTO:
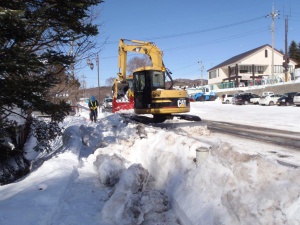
(145, 91)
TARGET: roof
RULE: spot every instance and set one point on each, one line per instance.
(239, 57)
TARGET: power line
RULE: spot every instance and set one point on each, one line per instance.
(295, 19)
(187, 66)
(205, 30)
(220, 40)
(210, 42)
(198, 31)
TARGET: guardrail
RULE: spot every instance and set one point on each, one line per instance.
(249, 85)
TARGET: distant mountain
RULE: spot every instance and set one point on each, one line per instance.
(187, 82)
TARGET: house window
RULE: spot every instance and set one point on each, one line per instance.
(266, 53)
(245, 69)
(232, 71)
(259, 69)
(278, 69)
(212, 74)
(249, 69)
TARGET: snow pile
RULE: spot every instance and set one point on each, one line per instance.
(229, 187)
(133, 203)
(112, 172)
(235, 187)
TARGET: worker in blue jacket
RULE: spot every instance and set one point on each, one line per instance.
(93, 106)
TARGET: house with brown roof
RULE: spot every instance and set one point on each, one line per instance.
(253, 67)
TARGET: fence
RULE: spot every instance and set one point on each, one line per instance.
(249, 83)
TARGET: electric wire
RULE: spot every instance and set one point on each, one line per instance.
(204, 30)
(197, 31)
(219, 40)
(211, 41)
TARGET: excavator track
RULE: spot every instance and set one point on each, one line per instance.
(187, 117)
(155, 122)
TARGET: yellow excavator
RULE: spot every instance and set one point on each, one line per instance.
(148, 89)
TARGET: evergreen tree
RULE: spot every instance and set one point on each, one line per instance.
(294, 51)
(298, 55)
(34, 34)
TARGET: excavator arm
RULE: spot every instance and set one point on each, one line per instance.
(147, 48)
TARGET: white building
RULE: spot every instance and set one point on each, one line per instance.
(253, 67)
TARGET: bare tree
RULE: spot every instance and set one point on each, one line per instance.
(110, 81)
(137, 62)
(65, 90)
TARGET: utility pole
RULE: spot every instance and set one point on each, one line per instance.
(201, 68)
(83, 85)
(273, 15)
(286, 57)
(91, 64)
(97, 62)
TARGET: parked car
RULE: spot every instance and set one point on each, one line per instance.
(286, 99)
(107, 103)
(297, 99)
(267, 93)
(269, 99)
(234, 98)
(244, 99)
(226, 99)
(255, 98)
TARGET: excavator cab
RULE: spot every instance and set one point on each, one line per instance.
(151, 96)
(145, 82)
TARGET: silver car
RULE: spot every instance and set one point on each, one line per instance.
(297, 99)
(107, 103)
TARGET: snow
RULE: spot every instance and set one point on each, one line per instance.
(111, 172)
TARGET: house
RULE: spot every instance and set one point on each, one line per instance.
(253, 67)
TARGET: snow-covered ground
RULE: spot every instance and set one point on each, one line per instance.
(111, 172)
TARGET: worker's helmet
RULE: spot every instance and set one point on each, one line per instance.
(93, 98)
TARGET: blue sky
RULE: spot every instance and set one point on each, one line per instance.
(189, 32)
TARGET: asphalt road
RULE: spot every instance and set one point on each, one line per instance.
(284, 138)
(274, 136)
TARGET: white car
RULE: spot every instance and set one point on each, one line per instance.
(297, 99)
(269, 99)
(267, 93)
(227, 99)
(107, 103)
(254, 99)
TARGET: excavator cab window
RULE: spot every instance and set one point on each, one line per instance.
(158, 80)
(140, 82)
